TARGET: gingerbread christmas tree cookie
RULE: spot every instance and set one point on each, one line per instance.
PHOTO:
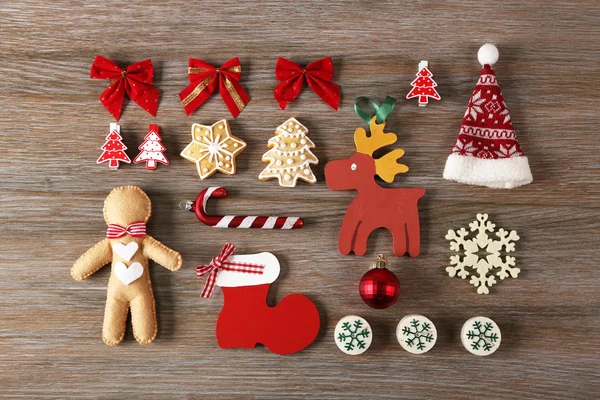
(289, 156)
(213, 148)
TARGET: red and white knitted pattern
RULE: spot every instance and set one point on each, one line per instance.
(487, 151)
(487, 130)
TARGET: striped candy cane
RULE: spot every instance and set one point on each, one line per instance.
(236, 221)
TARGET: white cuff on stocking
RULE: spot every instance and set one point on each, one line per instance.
(236, 279)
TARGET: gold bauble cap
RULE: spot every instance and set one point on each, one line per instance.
(380, 262)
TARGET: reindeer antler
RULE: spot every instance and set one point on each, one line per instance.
(377, 140)
(387, 166)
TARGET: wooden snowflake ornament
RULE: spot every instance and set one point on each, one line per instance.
(289, 156)
(213, 148)
(483, 270)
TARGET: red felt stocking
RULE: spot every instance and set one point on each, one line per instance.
(246, 320)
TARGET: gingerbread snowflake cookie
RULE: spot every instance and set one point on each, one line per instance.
(213, 148)
(289, 156)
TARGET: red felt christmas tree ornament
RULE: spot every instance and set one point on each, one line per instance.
(152, 150)
(379, 287)
(423, 85)
(113, 150)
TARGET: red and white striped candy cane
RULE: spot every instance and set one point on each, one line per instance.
(236, 221)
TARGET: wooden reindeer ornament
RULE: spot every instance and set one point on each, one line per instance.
(374, 206)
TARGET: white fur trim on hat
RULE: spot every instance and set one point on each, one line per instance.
(499, 173)
(236, 279)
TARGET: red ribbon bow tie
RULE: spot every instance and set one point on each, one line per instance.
(203, 81)
(220, 263)
(137, 229)
(135, 80)
(318, 75)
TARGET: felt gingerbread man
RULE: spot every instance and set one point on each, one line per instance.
(128, 248)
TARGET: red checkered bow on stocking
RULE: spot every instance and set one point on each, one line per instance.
(221, 262)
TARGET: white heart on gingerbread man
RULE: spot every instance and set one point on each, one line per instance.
(125, 251)
(128, 275)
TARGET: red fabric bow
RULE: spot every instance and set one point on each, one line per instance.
(135, 80)
(220, 263)
(137, 229)
(203, 83)
(318, 75)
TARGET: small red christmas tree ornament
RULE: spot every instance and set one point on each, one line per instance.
(152, 149)
(379, 287)
(113, 148)
(423, 86)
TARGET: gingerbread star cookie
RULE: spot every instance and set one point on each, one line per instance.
(213, 148)
(289, 156)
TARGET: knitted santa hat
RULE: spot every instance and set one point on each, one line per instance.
(487, 152)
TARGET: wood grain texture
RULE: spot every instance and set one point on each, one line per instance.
(52, 125)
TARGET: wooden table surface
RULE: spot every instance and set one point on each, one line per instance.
(52, 126)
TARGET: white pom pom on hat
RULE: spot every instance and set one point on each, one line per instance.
(488, 54)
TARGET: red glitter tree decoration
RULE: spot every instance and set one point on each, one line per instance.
(113, 148)
(152, 150)
(423, 86)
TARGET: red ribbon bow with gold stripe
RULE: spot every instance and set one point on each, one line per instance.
(220, 263)
(203, 81)
(137, 229)
(135, 80)
(318, 75)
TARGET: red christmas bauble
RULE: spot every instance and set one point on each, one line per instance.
(379, 287)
